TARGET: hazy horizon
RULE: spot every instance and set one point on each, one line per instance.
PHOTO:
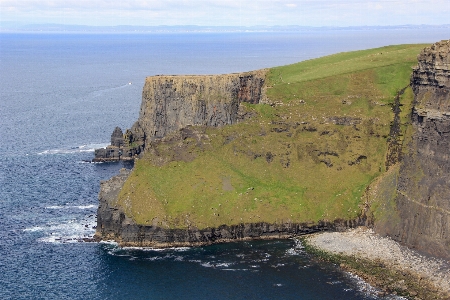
(55, 27)
(315, 13)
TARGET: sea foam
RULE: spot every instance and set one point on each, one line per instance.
(76, 149)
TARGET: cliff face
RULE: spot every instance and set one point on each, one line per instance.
(170, 103)
(423, 191)
(308, 157)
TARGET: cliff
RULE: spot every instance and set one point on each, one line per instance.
(170, 103)
(263, 154)
(422, 203)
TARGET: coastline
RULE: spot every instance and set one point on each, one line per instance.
(401, 270)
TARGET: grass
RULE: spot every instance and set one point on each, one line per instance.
(307, 157)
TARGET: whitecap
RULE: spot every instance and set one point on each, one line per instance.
(66, 232)
(278, 265)
(71, 206)
(76, 149)
(175, 249)
(109, 242)
(155, 258)
(219, 265)
(207, 265)
(34, 229)
(367, 289)
(60, 239)
(296, 250)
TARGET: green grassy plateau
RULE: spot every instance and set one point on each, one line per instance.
(308, 156)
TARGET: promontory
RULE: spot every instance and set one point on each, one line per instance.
(356, 138)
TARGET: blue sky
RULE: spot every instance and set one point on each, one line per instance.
(226, 12)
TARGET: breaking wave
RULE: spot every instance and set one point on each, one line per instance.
(71, 206)
(72, 150)
(71, 231)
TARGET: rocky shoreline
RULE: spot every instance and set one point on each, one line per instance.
(432, 274)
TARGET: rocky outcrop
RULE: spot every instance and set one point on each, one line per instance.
(170, 103)
(423, 192)
(109, 215)
(114, 224)
(123, 146)
(117, 137)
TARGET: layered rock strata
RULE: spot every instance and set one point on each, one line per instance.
(170, 103)
(114, 224)
(423, 191)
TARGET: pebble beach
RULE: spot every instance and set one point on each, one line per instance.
(364, 243)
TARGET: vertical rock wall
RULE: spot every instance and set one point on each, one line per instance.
(170, 103)
(423, 192)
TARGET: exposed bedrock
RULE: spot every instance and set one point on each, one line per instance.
(113, 224)
(423, 192)
(170, 103)
(124, 146)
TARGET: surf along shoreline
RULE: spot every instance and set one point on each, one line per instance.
(383, 263)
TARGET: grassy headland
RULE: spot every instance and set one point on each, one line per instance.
(307, 156)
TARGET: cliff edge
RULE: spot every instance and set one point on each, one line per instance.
(170, 103)
(422, 202)
(263, 154)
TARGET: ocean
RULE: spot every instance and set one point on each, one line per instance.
(61, 95)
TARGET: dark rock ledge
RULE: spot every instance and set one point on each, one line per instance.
(113, 224)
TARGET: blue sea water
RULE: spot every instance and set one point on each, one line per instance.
(61, 95)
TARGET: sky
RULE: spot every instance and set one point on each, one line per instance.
(226, 12)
